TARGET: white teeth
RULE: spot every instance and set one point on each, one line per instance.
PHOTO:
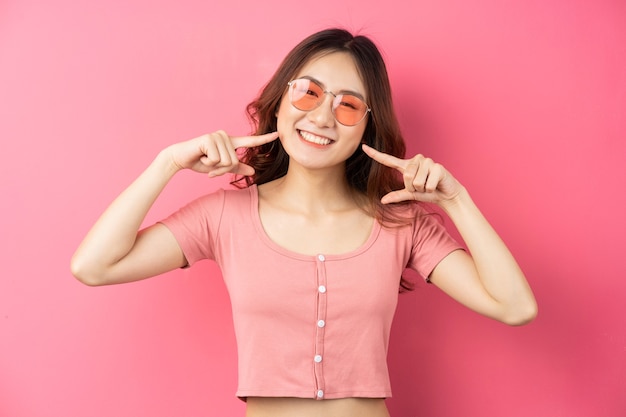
(309, 137)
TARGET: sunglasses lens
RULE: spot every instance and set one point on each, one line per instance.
(305, 94)
(349, 110)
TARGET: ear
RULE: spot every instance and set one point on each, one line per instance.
(277, 108)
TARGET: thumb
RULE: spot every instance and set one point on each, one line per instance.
(398, 196)
(241, 169)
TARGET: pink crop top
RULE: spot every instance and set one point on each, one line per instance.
(306, 326)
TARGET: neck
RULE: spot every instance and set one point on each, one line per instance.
(316, 190)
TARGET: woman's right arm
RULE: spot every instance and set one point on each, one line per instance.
(115, 251)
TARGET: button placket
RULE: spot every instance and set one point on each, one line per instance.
(320, 326)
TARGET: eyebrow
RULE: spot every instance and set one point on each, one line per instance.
(316, 81)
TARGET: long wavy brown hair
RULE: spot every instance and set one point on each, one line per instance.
(371, 179)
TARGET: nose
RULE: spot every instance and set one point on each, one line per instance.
(323, 115)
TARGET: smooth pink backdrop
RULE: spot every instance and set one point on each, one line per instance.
(524, 101)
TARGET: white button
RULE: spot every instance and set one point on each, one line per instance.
(321, 258)
(321, 323)
(321, 289)
(317, 358)
(320, 393)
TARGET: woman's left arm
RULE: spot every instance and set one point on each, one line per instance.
(489, 281)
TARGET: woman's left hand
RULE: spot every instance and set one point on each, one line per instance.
(424, 179)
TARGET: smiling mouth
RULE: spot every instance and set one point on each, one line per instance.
(318, 140)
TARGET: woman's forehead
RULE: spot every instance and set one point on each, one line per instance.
(335, 71)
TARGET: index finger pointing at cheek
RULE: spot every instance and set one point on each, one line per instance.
(252, 141)
(385, 159)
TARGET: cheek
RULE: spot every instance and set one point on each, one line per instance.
(356, 136)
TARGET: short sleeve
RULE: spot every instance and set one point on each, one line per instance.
(196, 226)
(431, 243)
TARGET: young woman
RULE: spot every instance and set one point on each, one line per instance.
(313, 242)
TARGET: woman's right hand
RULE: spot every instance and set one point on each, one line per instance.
(215, 153)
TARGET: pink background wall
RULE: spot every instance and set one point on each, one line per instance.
(524, 101)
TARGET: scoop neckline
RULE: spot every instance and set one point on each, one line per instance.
(256, 219)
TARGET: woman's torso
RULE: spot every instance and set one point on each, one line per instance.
(344, 231)
(334, 342)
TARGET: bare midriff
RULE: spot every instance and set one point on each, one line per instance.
(304, 407)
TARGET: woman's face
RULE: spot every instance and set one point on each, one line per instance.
(314, 139)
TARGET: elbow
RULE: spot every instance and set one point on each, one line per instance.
(522, 315)
(83, 273)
